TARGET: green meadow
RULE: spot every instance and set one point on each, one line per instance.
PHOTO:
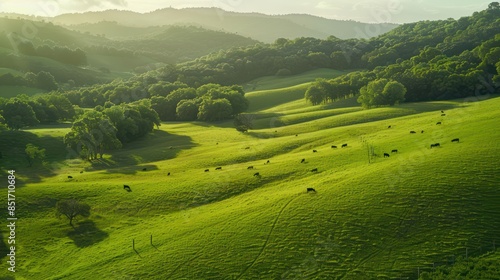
(371, 217)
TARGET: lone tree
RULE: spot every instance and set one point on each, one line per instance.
(244, 122)
(34, 153)
(72, 208)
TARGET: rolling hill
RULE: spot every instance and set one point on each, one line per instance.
(265, 28)
(386, 219)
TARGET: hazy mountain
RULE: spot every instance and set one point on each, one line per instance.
(266, 28)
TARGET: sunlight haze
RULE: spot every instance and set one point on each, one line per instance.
(364, 11)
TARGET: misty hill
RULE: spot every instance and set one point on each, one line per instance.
(266, 28)
(87, 58)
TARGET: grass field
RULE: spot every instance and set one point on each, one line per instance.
(378, 220)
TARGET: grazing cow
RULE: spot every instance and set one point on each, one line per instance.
(334, 147)
(256, 174)
(127, 188)
(303, 160)
(250, 167)
(311, 190)
(442, 115)
(442, 111)
(435, 145)
(168, 174)
(70, 177)
(206, 170)
(218, 168)
(314, 170)
(344, 145)
(386, 155)
(438, 123)
(389, 127)
(455, 140)
(422, 131)
(412, 132)
(247, 148)
(267, 161)
(394, 151)
(144, 169)
(314, 151)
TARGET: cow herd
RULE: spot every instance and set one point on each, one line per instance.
(314, 170)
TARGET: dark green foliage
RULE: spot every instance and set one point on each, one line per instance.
(381, 92)
(187, 110)
(18, 114)
(215, 110)
(71, 208)
(34, 153)
(91, 135)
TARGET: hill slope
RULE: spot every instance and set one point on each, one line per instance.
(384, 219)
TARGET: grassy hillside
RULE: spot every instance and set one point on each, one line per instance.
(268, 92)
(379, 220)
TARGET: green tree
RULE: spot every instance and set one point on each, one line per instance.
(92, 134)
(18, 114)
(215, 110)
(34, 153)
(381, 92)
(71, 208)
(187, 110)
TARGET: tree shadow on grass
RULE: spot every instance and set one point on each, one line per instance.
(135, 156)
(86, 234)
(12, 145)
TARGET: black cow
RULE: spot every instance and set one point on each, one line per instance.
(70, 177)
(247, 148)
(256, 174)
(438, 123)
(344, 145)
(389, 127)
(334, 147)
(422, 131)
(206, 170)
(435, 145)
(303, 160)
(412, 132)
(455, 140)
(250, 167)
(144, 169)
(81, 172)
(127, 188)
(442, 111)
(394, 151)
(442, 115)
(314, 151)
(168, 174)
(386, 155)
(218, 168)
(311, 190)
(267, 161)
(296, 135)
(314, 170)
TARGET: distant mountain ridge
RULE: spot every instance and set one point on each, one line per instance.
(265, 28)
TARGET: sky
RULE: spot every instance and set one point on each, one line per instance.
(375, 11)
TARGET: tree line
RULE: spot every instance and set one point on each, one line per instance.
(463, 64)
